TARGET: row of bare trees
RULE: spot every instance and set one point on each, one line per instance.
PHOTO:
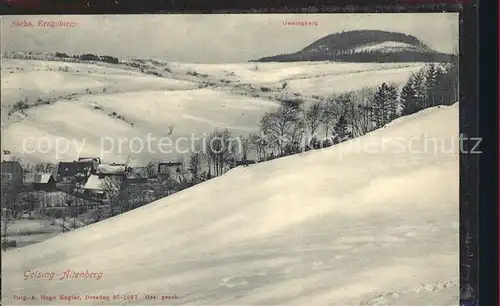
(294, 127)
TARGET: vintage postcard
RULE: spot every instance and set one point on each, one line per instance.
(231, 159)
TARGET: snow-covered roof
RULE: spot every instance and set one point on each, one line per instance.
(94, 183)
(86, 160)
(111, 169)
(8, 158)
(42, 178)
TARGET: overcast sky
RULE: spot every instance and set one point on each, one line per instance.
(214, 38)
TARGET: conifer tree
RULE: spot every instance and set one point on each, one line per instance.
(413, 94)
(385, 105)
(393, 102)
(408, 97)
(431, 81)
(447, 84)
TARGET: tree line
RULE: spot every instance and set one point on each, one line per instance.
(294, 127)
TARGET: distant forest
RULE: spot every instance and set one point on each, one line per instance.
(340, 47)
(363, 57)
(89, 57)
(352, 39)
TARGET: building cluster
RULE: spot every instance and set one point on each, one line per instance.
(89, 179)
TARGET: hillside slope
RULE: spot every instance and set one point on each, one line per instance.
(372, 221)
(364, 46)
(83, 104)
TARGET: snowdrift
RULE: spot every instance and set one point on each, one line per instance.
(372, 221)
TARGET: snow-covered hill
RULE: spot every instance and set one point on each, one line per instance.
(371, 221)
(82, 105)
(365, 46)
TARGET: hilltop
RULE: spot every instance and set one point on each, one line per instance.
(365, 46)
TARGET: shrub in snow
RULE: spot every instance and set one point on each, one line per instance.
(193, 73)
(20, 105)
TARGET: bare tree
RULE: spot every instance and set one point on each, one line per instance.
(347, 111)
(220, 150)
(296, 138)
(151, 169)
(196, 164)
(363, 113)
(312, 117)
(67, 202)
(99, 214)
(25, 201)
(117, 193)
(183, 173)
(279, 126)
(195, 159)
(244, 147)
(45, 167)
(330, 115)
(170, 182)
(259, 143)
(64, 219)
(28, 168)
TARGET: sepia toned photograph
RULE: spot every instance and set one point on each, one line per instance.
(231, 159)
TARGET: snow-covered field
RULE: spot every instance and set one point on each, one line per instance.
(88, 108)
(24, 226)
(323, 86)
(271, 73)
(29, 231)
(371, 221)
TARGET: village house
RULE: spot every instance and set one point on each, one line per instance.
(44, 182)
(70, 171)
(12, 174)
(94, 188)
(102, 188)
(72, 176)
